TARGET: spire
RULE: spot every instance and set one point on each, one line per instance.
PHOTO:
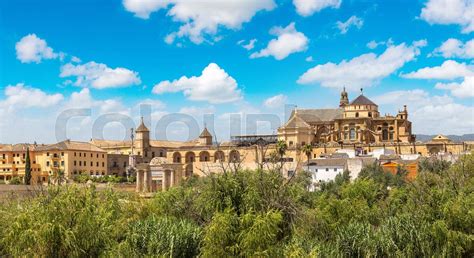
(142, 127)
(361, 91)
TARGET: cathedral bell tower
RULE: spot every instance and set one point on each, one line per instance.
(344, 98)
(142, 138)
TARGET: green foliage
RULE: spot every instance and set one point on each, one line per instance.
(15, 181)
(27, 167)
(254, 214)
(436, 166)
(100, 179)
(161, 236)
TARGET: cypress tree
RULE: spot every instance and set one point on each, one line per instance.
(27, 167)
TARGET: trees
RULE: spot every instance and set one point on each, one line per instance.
(307, 149)
(253, 213)
(27, 167)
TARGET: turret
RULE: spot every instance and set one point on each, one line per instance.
(143, 136)
(206, 137)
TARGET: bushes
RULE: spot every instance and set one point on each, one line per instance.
(254, 213)
(100, 179)
(15, 181)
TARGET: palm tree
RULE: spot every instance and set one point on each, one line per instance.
(281, 148)
(58, 176)
(307, 149)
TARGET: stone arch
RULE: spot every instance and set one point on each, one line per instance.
(188, 170)
(234, 156)
(322, 134)
(176, 157)
(204, 156)
(190, 157)
(219, 156)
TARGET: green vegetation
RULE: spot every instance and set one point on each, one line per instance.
(15, 181)
(256, 214)
(103, 179)
(27, 167)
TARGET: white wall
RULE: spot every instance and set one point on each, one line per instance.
(324, 173)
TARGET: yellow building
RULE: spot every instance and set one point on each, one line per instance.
(68, 157)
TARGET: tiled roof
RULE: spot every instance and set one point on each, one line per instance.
(142, 127)
(328, 162)
(318, 115)
(70, 145)
(362, 100)
(205, 133)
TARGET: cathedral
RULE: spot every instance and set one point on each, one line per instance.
(354, 122)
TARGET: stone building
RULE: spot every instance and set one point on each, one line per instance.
(355, 122)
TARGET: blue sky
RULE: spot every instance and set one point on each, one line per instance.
(110, 56)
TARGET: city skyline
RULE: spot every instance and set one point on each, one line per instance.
(230, 57)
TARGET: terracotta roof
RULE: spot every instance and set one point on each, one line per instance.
(318, 115)
(70, 145)
(205, 133)
(19, 147)
(362, 100)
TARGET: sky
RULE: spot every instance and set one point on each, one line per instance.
(82, 69)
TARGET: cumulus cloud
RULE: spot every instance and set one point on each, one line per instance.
(460, 12)
(309, 7)
(99, 76)
(33, 49)
(214, 85)
(362, 71)
(22, 96)
(289, 41)
(200, 18)
(452, 48)
(353, 21)
(465, 89)
(449, 70)
(275, 101)
(426, 111)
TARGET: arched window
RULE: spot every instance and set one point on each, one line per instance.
(352, 133)
(385, 134)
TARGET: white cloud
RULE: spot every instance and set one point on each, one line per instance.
(456, 48)
(374, 44)
(447, 71)
(289, 41)
(353, 21)
(201, 18)
(249, 46)
(426, 111)
(275, 101)
(33, 49)
(464, 89)
(214, 86)
(100, 76)
(309, 7)
(22, 96)
(460, 12)
(309, 59)
(362, 71)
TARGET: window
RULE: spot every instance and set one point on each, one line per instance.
(47, 154)
(97, 156)
(62, 163)
(327, 169)
(352, 133)
(357, 114)
(80, 163)
(370, 114)
(291, 143)
(146, 153)
(92, 163)
(47, 163)
(92, 155)
(161, 154)
(335, 169)
(291, 173)
(103, 164)
(74, 154)
(62, 154)
(97, 164)
(103, 155)
(384, 134)
(80, 154)
(75, 162)
(153, 154)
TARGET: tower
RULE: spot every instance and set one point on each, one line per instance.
(206, 137)
(142, 138)
(344, 98)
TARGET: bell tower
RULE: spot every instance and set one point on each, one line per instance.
(142, 137)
